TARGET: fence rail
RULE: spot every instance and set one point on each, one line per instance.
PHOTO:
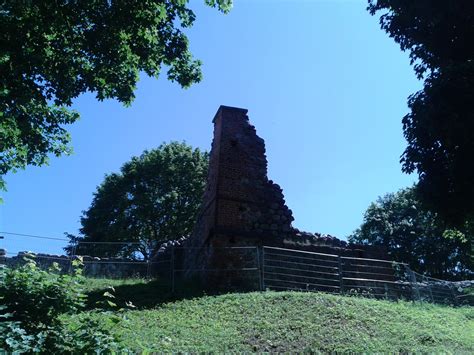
(271, 268)
(288, 269)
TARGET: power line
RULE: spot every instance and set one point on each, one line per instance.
(87, 242)
(67, 240)
(34, 236)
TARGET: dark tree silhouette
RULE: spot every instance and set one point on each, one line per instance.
(439, 35)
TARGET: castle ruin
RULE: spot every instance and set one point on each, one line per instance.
(242, 207)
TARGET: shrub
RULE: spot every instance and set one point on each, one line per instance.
(31, 303)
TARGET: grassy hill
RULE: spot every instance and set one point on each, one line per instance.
(286, 321)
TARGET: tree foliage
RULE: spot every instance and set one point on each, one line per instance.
(416, 236)
(52, 51)
(154, 198)
(440, 125)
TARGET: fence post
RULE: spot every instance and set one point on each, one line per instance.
(259, 268)
(413, 282)
(148, 273)
(341, 280)
(455, 299)
(73, 254)
(172, 270)
(263, 268)
(429, 288)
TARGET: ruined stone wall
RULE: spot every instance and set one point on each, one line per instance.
(242, 207)
(239, 199)
(247, 201)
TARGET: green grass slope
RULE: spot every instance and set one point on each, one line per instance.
(291, 321)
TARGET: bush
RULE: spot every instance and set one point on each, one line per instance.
(32, 301)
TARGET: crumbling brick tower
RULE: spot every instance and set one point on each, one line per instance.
(241, 205)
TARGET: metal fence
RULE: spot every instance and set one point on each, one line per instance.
(223, 268)
(266, 268)
(95, 264)
(434, 290)
(93, 267)
(288, 269)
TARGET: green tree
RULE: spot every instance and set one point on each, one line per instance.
(415, 236)
(154, 198)
(52, 51)
(440, 125)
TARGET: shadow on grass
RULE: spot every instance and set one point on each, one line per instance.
(143, 294)
(147, 294)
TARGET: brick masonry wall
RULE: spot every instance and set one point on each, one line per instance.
(242, 207)
(247, 201)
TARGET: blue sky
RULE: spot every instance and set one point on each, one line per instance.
(324, 86)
